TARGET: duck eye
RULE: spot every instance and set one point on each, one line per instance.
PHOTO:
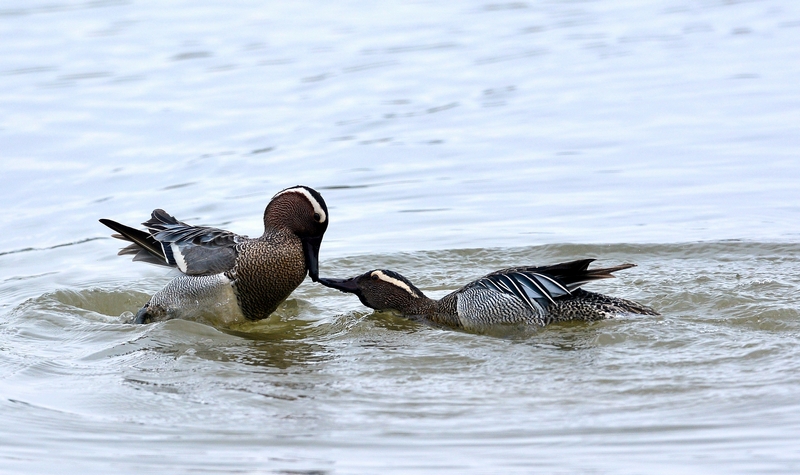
(374, 277)
(317, 217)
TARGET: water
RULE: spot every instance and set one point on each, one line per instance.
(449, 140)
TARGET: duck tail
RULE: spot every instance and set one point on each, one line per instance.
(143, 246)
(573, 274)
(606, 272)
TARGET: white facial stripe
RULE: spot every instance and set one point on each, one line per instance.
(394, 281)
(314, 203)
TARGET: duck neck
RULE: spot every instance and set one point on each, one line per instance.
(422, 305)
(441, 312)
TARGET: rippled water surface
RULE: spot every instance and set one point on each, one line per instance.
(449, 139)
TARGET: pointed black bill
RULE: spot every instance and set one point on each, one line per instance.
(311, 253)
(345, 285)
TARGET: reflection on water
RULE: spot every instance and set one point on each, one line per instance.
(550, 122)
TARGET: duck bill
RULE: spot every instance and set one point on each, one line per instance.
(345, 285)
(311, 253)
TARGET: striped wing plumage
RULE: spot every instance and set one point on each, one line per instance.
(535, 290)
(195, 250)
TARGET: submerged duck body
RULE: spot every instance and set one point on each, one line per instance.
(519, 295)
(226, 277)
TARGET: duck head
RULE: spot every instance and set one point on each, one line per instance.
(379, 289)
(302, 211)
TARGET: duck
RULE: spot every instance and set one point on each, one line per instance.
(535, 296)
(228, 278)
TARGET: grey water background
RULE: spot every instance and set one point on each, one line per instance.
(449, 139)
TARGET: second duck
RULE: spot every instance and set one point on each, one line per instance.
(228, 278)
(519, 295)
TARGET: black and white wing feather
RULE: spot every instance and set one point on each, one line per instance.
(571, 274)
(508, 297)
(195, 250)
(535, 290)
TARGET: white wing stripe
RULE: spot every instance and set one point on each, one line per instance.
(520, 292)
(552, 281)
(179, 260)
(539, 287)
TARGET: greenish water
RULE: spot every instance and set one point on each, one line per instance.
(327, 386)
(449, 140)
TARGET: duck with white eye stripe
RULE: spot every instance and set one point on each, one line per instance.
(228, 278)
(519, 295)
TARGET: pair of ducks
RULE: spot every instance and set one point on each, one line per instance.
(234, 278)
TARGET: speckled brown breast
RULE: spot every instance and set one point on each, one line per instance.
(267, 270)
